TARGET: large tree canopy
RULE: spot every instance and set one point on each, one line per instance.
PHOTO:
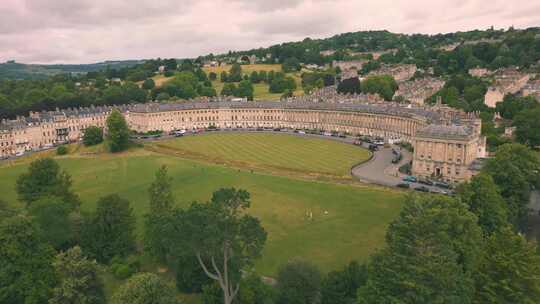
(78, 279)
(223, 237)
(482, 196)
(145, 288)
(158, 222)
(515, 169)
(509, 271)
(26, 271)
(432, 253)
(527, 124)
(117, 131)
(45, 178)
(110, 231)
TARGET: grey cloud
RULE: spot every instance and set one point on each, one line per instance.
(52, 31)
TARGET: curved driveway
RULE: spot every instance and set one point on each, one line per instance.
(380, 170)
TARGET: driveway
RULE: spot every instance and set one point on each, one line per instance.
(380, 170)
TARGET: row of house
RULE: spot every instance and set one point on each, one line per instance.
(400, 72)
(446, 141)
(418, 90)
(506, 81)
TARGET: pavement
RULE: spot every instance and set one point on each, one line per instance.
(380, 170)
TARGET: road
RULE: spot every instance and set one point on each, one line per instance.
(380, 170)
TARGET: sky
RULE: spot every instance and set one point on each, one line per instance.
(86, 31)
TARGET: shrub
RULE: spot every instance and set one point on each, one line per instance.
(92, 136)
(61, 150)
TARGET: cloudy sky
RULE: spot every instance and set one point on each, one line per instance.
(84, 31)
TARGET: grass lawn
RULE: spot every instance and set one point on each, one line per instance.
(159, 80)
(281, 153)
(348, 221)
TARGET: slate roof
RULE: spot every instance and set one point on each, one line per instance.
(445, 131)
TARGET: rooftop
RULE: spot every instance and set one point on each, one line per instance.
(445, 131)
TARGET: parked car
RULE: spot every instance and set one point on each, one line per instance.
(442, 185)
(426, 182)
(403, 185)
(179, 133)
(422, 189)
(410, 179)
(373, 147)
(301, 132)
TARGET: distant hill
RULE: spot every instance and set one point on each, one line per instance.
(14, 70)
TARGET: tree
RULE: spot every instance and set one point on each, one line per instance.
(511, 105)
(229, 89)
(224, 76)
(145, 288)
(78, 280)
(528, 127)
(117, 132)
(291, 64)
(212, 76)
(224, 239)
(163, 96)
(432, 252)
(235, 73)
(482, 196)
(44, 178)
(110, 231)
(26, 275)
(92, 136)
(148, 84)
(299, 283)
(349, 86)
(254, 77)
(341, 287)
(515, 169)
(252, 291)
(52, 215)
(281, 83)
(509, 271)
(245, 89)
(383, 85)
(190, 278)
(158, 220)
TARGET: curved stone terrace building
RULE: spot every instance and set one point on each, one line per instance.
(388, 120)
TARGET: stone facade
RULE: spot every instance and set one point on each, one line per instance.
(388, 120)
(400, 72)
(479, 72)
(532, 88)
(349, 65)
(419, 90)
(507, 81)
(447, 152)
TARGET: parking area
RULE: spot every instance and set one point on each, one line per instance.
(380, 170)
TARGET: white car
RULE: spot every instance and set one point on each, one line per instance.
(301, 132)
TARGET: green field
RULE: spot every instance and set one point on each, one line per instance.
(260, 90)
(282, 153)
(349, 221)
